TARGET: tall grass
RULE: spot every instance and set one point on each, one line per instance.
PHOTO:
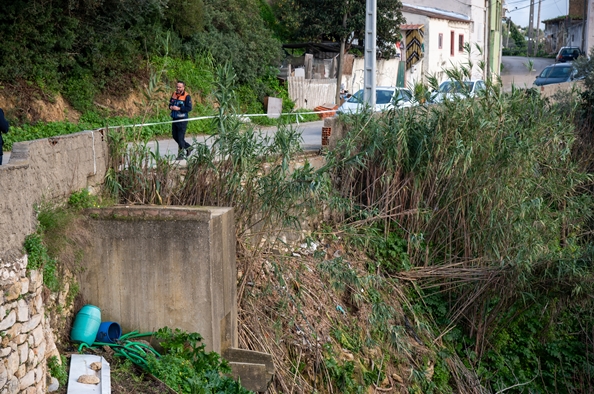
(488, 195)
(485, 196)
(237, 167)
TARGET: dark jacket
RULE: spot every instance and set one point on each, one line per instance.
(3, 123)
(3, 128)
(184, 101)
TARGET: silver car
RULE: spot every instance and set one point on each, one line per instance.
(386, 98)
(449, 90)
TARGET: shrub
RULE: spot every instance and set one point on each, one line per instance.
(187, 368)
(58, 369)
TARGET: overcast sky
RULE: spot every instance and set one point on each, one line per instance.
(519, 10)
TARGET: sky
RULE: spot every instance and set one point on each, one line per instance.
(519, 10)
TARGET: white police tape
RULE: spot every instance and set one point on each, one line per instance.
(296, 114)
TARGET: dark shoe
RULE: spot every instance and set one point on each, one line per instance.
(189, 150)
(180, 156)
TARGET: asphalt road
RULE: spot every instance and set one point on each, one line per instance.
(516, 70)
(311, 133)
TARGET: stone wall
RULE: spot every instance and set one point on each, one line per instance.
(26, 338)
(39, 170)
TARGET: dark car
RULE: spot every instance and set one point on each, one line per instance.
(557, 73)
(568, 54)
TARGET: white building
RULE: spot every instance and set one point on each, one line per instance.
(441, 37)
(484, 19)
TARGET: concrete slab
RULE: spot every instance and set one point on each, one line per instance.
(80, 364)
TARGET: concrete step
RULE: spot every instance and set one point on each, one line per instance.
(254, 369)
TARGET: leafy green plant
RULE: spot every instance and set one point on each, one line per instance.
(391, 252)
(342, 374)
(83, 199)
(58, 369)
(38, 258)
(187, 368)
(80, 91)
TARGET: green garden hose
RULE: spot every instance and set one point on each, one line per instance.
(136, 352)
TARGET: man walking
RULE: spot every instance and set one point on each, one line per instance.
(180, 104)
(3, 129)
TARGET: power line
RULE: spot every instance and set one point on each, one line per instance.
(526, 6)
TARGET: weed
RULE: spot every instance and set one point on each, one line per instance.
(58, 369)
(83, 199)
(187, 368)
(342, 376)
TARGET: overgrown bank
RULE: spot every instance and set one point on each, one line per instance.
(449, 247)
(453, 255)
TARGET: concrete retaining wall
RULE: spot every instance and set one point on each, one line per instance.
(151, 267)
(44, 169)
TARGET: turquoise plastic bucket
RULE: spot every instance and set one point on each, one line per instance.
(86, 325)
(109, 332)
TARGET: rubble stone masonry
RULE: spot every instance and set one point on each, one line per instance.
(26, 340)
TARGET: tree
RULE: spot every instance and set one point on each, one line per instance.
(340, 21)
(335, 20)
(235, 32)
(514, 41)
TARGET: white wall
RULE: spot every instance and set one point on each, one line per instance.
(437, 59)
(574, 38)
(385, 75)
(477, 12)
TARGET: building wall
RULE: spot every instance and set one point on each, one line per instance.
(437, 59)
(576, 8)
(476, 10)
(575, 35)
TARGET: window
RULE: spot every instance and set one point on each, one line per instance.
(452, 38)
(461, 43)
(440, 41)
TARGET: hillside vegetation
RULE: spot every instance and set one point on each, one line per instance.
(449, 247)
(92, 49)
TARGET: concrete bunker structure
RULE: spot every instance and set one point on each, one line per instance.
(154, 266)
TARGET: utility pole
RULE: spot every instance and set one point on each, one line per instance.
(340, 60)
(508, 31)
(370, 52)
(584, 30)
(530, 26)
(537, 29)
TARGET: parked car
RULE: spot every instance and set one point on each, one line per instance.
(557, 73)
(386, 97)
(449, 90)
(568, 54)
